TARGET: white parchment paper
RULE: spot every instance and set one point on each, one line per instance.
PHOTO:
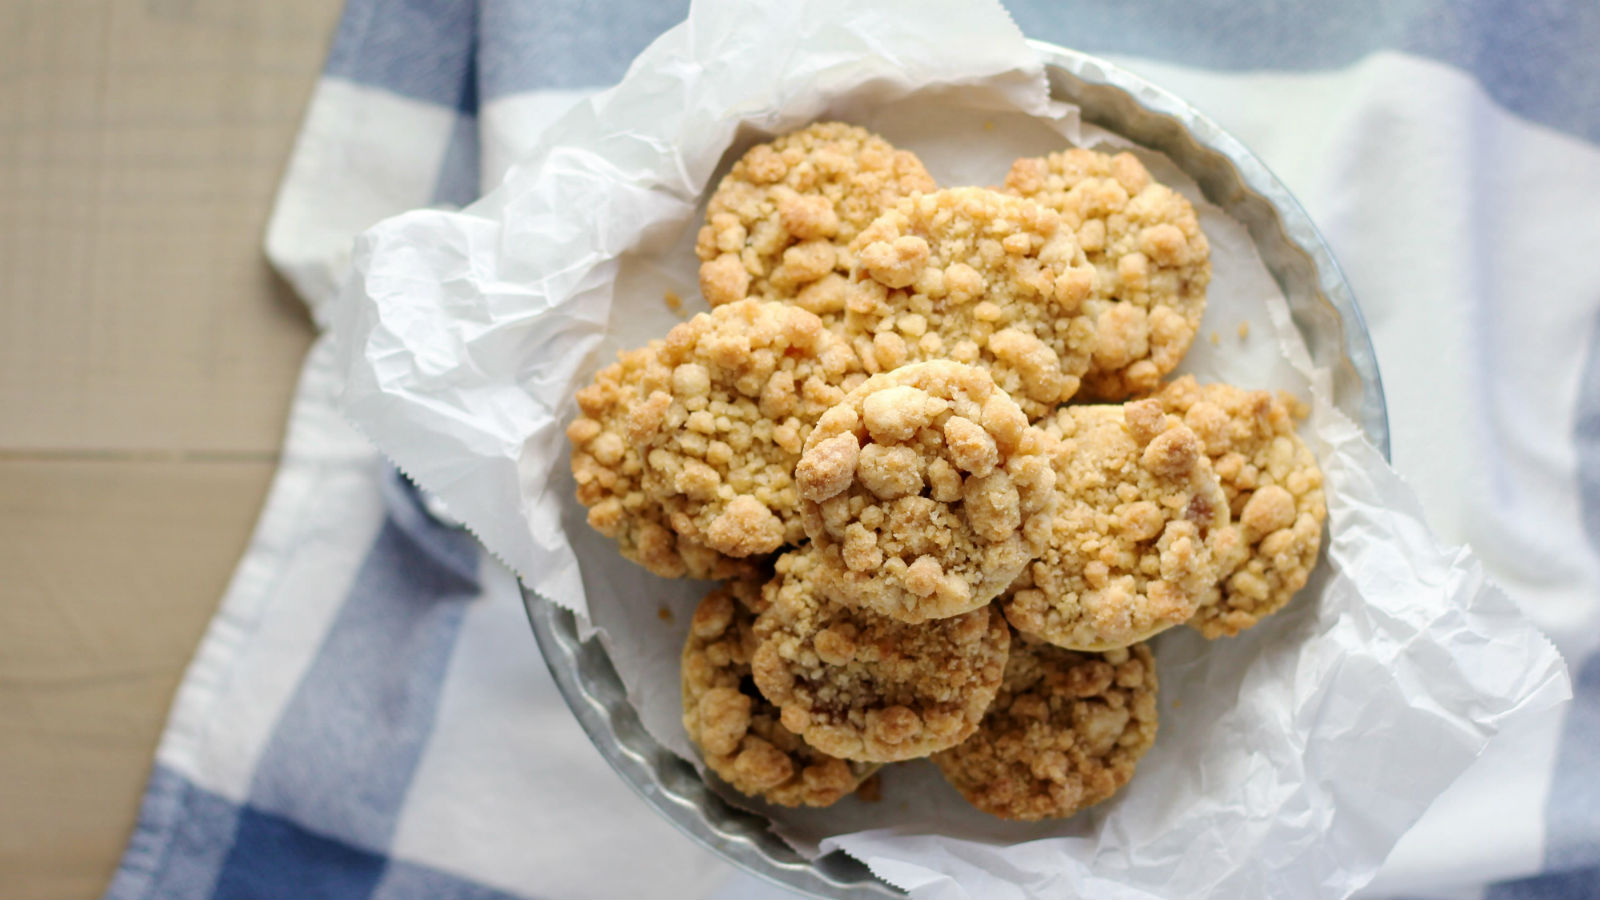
(1290, 759)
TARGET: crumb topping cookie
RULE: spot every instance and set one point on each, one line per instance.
(779, 225)
(926, 547)
(1130, 550)
(736, 729)
(1153, 262)
(866, 687)
(925, 492)
(1275, 493)
(1065, 732)
(749, 590)
(975, 276)
(721, 415)
(610, 471)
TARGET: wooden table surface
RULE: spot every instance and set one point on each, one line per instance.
(147, 359)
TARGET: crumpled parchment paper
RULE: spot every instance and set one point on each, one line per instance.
(1290, 759)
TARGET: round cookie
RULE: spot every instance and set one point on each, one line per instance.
(1153, 261)
(721, 416)
(610, 471)
(750, 590)
(736, 729)
(779, 225)
(925, 492)
(1130, 552)
(974, 275)
(866, 687)
(1275, 493)
(1064, 733)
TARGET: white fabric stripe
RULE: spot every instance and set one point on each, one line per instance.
(510, 792)
(363, 154)
(1454, 221)
(321, 514)
(511, 125)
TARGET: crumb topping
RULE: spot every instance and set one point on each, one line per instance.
(975, 276)
(1129, 554)
(1274, 489)
(925, 492)
(1152, 259)
(779, 225)
(719, 417)
(736, 729)
(1065, 732)
(610, 471)
(866, 687)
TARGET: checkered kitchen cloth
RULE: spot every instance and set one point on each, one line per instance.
(367, 715)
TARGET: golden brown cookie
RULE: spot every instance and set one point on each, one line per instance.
(866, 687)
(1152, 258)
(975, 276)
(609, 472)
(736, 729)
(750, 591)
(1064, 733)
(1130, 551)
(925, 492)
(1275, 493)
(779, 226)
(720, 416)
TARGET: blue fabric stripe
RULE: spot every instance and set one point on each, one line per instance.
(457, 183)
(342, 755)
(178, 854)
(404, 881)
(1572, 843)
(1586, 434)
(1535, 57)
(274, 857)
(1572, 839)
(422, 49)
(533, 44)
(526, 45)
(177, 850)
(1579, 884)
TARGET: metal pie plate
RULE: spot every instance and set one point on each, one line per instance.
(1322, 308)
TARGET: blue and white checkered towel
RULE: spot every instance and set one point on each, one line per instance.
(367, 715)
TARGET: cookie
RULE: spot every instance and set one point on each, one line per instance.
(779, 225)
(1153, 261)
(866, 687)
(1275, 494)
(925, 492)
(749, 591)
(1130, 553)
(1065, 732)
(736, 729)
(721, 416)
(975, 276)
(609, 471)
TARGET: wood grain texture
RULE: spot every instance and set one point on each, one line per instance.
(147, 359)
(112, 570)
(140, 147)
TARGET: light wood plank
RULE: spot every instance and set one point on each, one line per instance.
(147, 357)
(112, 570)
(140, 147)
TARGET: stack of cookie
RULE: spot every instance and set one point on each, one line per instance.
(922, 438)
